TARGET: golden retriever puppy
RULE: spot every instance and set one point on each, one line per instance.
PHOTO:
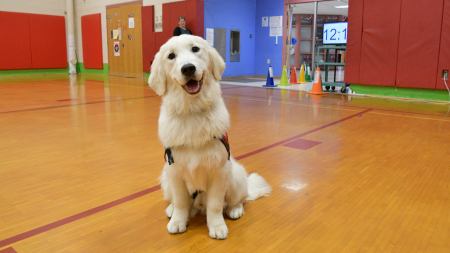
(199, 174)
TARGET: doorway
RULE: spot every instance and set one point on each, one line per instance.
(124, 29)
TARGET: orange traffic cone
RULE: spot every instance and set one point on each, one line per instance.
(317, 86)
(293, 76)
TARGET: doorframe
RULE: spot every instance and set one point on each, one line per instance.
(141, 2)
(285, 9)
(127, 3)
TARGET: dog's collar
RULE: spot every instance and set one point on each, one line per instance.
(223, 139)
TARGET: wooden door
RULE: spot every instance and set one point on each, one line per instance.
(132, 40)
(114, 59)
(126, 60)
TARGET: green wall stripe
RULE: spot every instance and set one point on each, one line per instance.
(18, 72)
(401, 92)
(81, 69)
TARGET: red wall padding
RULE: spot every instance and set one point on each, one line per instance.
(15, 50)
(48, 41)
(148, 37)
(444, 54)
(91, 33)
(379, 42)
(355, 17)
(418, 51)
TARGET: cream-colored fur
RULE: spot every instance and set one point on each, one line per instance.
(187, 125)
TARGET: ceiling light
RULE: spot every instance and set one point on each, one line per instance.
(341, 6)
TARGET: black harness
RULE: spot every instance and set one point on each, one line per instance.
(223, 139)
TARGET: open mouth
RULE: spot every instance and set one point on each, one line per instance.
(193, 87)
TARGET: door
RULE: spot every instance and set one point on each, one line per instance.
(125, 41)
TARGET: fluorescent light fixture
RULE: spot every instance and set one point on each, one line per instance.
(341, 6)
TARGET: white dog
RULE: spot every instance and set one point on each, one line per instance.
(199, 174)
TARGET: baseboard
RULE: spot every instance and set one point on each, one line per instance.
(249, 76)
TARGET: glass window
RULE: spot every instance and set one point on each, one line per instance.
(332, 19)
(235, 45)
(320, 19)
(305, 58)
(306, 32)
(307, 19)
(305, 46)
(294, 19)
(319, 33)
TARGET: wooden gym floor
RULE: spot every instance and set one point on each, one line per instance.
(80, 160)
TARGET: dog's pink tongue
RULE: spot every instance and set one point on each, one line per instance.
(192, 86)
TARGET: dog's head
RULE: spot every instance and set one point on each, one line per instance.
(187, 63)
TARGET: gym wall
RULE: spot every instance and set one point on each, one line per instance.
(405, 45)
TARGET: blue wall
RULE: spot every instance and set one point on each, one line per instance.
(238, 15)
(265, 46)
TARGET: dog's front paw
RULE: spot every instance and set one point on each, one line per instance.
(218, 232)
(235, 212)
(169, 210)
(176, 227)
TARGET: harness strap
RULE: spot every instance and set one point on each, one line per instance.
(168, 152)
(223, 139)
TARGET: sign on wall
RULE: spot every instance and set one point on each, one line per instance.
(276, 26)
(265, 21)
(116, 48)
(210, 36)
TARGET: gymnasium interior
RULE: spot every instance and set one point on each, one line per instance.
(342, 106)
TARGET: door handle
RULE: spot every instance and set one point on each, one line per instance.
(123, 45)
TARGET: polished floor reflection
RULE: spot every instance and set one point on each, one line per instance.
(80, 160)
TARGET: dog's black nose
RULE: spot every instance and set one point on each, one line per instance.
(188, 69)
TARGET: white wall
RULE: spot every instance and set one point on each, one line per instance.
(47, 7)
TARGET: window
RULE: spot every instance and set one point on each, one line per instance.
(235, 46)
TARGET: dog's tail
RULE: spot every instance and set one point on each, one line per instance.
(257, 187)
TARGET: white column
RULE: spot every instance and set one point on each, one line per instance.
(71, 38)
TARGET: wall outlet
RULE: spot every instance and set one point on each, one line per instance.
(445, 74)
(268, 61)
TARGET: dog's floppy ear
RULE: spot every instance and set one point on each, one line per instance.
(157, 79)
(217, 63)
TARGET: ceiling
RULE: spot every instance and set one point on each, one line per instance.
(324, 8)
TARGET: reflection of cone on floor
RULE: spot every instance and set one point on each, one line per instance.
(301, 77)
(293, 76)
(307, 74)
(283, 94)
(317, 86)
(316, 102)
(283, 81)
(269, 82)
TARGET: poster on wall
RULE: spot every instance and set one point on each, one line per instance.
(276, 26)
(131, 22)
(210, 36)
(116, 48)
(265, 21)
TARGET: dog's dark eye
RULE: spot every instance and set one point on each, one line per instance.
(171, 56)
(195, 49)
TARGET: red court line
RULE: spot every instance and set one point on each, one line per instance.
(76, 217)
(8, 250)
(61, 106)
(95, 210)
(298, 136)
